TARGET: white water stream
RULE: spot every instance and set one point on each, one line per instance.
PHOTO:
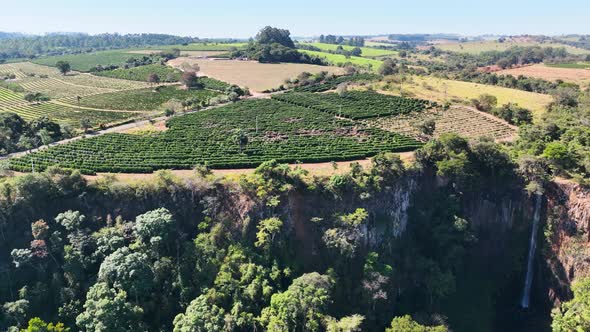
(526, 295)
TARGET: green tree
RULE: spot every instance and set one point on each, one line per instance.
(558, 155)
(107, 310)
(574, 315)
(388, 67)
(301, 307)
(154, 226)
(200, 316)
(485, 102)
(16, 312)
(71, 220)
(407, 324)
(35, 97)
(345, 324)
(63, 67)
(128, 271)
(267, 231)
(270, 35)
(189, 79)
(38, 325)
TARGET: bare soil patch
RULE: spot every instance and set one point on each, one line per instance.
(254, 75)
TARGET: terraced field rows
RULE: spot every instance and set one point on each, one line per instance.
(355, 104)
(68, 115)
(459, 120)
(9, 98)
(12, 69)
(56, 89)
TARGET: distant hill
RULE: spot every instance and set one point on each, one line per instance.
(9, 35)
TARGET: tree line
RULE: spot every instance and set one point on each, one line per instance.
(59, 44)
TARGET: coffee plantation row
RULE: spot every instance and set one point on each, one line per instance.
(334, 82)
(356, 105)
(239, 135)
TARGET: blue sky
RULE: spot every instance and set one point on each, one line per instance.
(234, 18)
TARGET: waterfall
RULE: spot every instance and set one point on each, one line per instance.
(526, 296)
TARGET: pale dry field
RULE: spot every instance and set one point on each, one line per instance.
(541, 71)
(254, 75)
(464, 121)
(442, 90)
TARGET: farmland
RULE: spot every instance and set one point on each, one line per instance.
(13, 102)
(86, 61)
(207, 46)
(254, 75)
(332, 83)
(141, 99)
(239, 135)
(367, 52)
(63, 91)
(432, 88)
(551, 73)
(340, 60)
(572, 65)
(355, 104)
(458, 120)
(476, 47)
(200, 54)
(141, 73)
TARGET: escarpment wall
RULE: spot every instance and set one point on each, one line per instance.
(568, 228)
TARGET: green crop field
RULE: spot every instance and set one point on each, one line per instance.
(332, 83)
(84, 62)
(206, 46)
(272, 129)
(367, 52)
(69, 115)
(141, 73)
(571, 65)
(356, 104)
(477, 47)
(9, 98)
(142, 99)
(339, 60)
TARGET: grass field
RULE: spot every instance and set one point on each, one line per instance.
(141, 73)
(338, 59)
(84, 62)
(458, 120)
(551, 73)
(571, 65)
(441, 90)
(377, 44)
(367, 52)
(476, 47)
(141, 100)
(182, 53)
(254, 75)
(207, 46)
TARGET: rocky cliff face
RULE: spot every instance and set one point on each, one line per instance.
(567, 236)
